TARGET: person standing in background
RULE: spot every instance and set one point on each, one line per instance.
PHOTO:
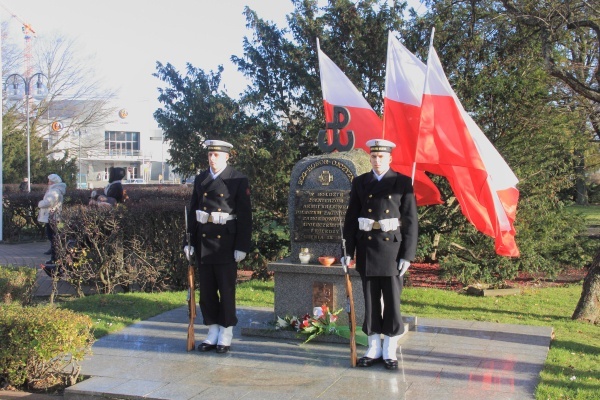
(114, 188)
(24, 185)
(50, 207)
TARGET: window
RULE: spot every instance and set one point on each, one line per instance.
(122, 143)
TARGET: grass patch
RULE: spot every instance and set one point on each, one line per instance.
(575, 352)
(591, 213)
(113, 312)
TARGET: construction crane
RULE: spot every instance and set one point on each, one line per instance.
(29, 33)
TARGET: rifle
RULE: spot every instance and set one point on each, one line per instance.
(349, 300)
(191, 298)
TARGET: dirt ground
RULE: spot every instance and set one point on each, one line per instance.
(428, 275)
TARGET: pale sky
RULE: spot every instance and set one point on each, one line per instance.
(127, 37)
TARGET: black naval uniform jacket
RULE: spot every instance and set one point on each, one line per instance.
(378, 252)
(229, 193)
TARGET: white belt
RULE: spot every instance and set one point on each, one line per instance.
(215, 217)
(386, 225)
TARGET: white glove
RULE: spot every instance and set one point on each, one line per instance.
(345, 260)
(219, 217)
(201, 216)
(189, 251)
(365, 224)
(403, 266)
(239, 255)
(389, 224)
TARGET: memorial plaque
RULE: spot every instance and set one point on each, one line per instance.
(318, 214)
(319, 195)
(323, 295)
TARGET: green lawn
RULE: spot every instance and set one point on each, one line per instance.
(570, 372)
(591, 213)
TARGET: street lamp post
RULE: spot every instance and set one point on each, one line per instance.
(27, 83)
(79, 159)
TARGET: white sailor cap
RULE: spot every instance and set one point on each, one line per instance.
(218, 145)
(380, 145)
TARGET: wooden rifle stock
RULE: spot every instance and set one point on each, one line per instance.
(191, 340)
(349, 299)
(351, 319)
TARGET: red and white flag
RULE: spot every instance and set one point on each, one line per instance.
(404, 80)
(451, 144)
(338, 90)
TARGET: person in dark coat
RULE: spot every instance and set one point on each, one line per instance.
(220, 224)
(114, 188)
(24, 185)
(381, 226)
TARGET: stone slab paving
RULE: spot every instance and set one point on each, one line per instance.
(31, 254)
(439, 359)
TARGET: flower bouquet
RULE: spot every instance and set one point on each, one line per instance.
(322, 322)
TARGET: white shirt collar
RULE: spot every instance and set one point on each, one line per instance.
(378, 177)
(214, 176)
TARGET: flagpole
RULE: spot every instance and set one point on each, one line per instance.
(414, 167)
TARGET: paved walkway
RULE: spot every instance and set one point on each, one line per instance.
(443, 359)
(32, 255)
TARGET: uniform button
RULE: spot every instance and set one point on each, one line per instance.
(205, 194)
(218, 209)
(204, 235)
(369, 238)
(370, 210)
(218, 236)
(204, 208)
(387, 211)
(390, 196)
(370, 195)
(386, 239)
(222, 195)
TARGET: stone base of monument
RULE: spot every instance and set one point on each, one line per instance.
(299, 288)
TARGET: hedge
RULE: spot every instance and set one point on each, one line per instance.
(16, 284)
(42, 345)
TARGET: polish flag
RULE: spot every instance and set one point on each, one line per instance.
(404, 80)
(451, 144)
(338, 90)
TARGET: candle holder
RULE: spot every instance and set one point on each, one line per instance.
(304, 255)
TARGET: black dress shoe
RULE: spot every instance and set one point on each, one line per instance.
(222, 349)
(368, 361)
(206, 347)
(48, 252)
(390, 364)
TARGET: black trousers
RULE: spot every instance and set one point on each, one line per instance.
(217, 293)
(50, 236)
(388, 320)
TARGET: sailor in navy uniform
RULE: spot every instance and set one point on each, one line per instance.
(220, 225)
(381, 226)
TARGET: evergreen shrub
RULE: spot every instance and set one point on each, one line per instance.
(16, 284)
(42, 346)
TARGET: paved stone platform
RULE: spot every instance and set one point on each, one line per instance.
(444, 359)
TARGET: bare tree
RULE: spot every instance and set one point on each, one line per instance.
(75, 98)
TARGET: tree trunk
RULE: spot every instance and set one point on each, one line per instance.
(588, 308)
(581, 197)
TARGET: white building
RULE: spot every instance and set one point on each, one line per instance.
(131, 140)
